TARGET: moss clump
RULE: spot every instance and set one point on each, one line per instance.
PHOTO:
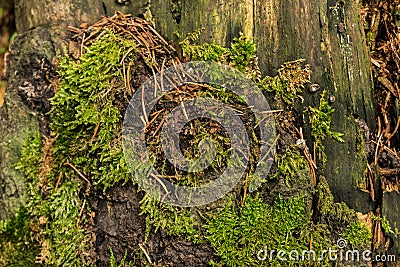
(320, 121)
(31, 157)
(238, 235)
(278, 87)
(62, 237)
(241, 54)
(175, 221)
(357, 234)
(86, 118)
(48, 222)
(289, 164)
(88, 106)
(384, 223)
(243, 235)
(113, 261)
(17, 245)
(17, 238)
(339, 219)
(287, 86)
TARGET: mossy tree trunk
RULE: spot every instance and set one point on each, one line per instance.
(328, 34)
(282, 30)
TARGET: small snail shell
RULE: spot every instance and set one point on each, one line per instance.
(314, 87)
(301, 143)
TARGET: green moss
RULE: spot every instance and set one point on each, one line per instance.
(63, 234)
(46, 224)
(289, 164)
(113, 261)
(31, 157)
(238, 235)
(17, 244)
(320, 121)
(339, 219)
(384, 223)
(241, 54)
(278, 87)
(87, 107)
(287, 86)
(357, 234)
(86, 117)
(174, 220)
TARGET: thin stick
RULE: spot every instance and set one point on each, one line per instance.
(314, 153)
(80, 213)
(73, 29)
(83, 206)
(127, 72)
(156, 85)
(395, 129)
(143, 120)
(77, 171)
(129, 79)
(269, 150)
(183, 109)
(153, 57)
(144, 108)
(58, 182)
(83, 43)
(161, 183)
(158, 127)
(145, 253)
(96, 130)
(379, 126)
(161, 78)
(377, 148)
(245, 189)
(268, 114)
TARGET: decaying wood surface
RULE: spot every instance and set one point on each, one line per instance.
(327, 34)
